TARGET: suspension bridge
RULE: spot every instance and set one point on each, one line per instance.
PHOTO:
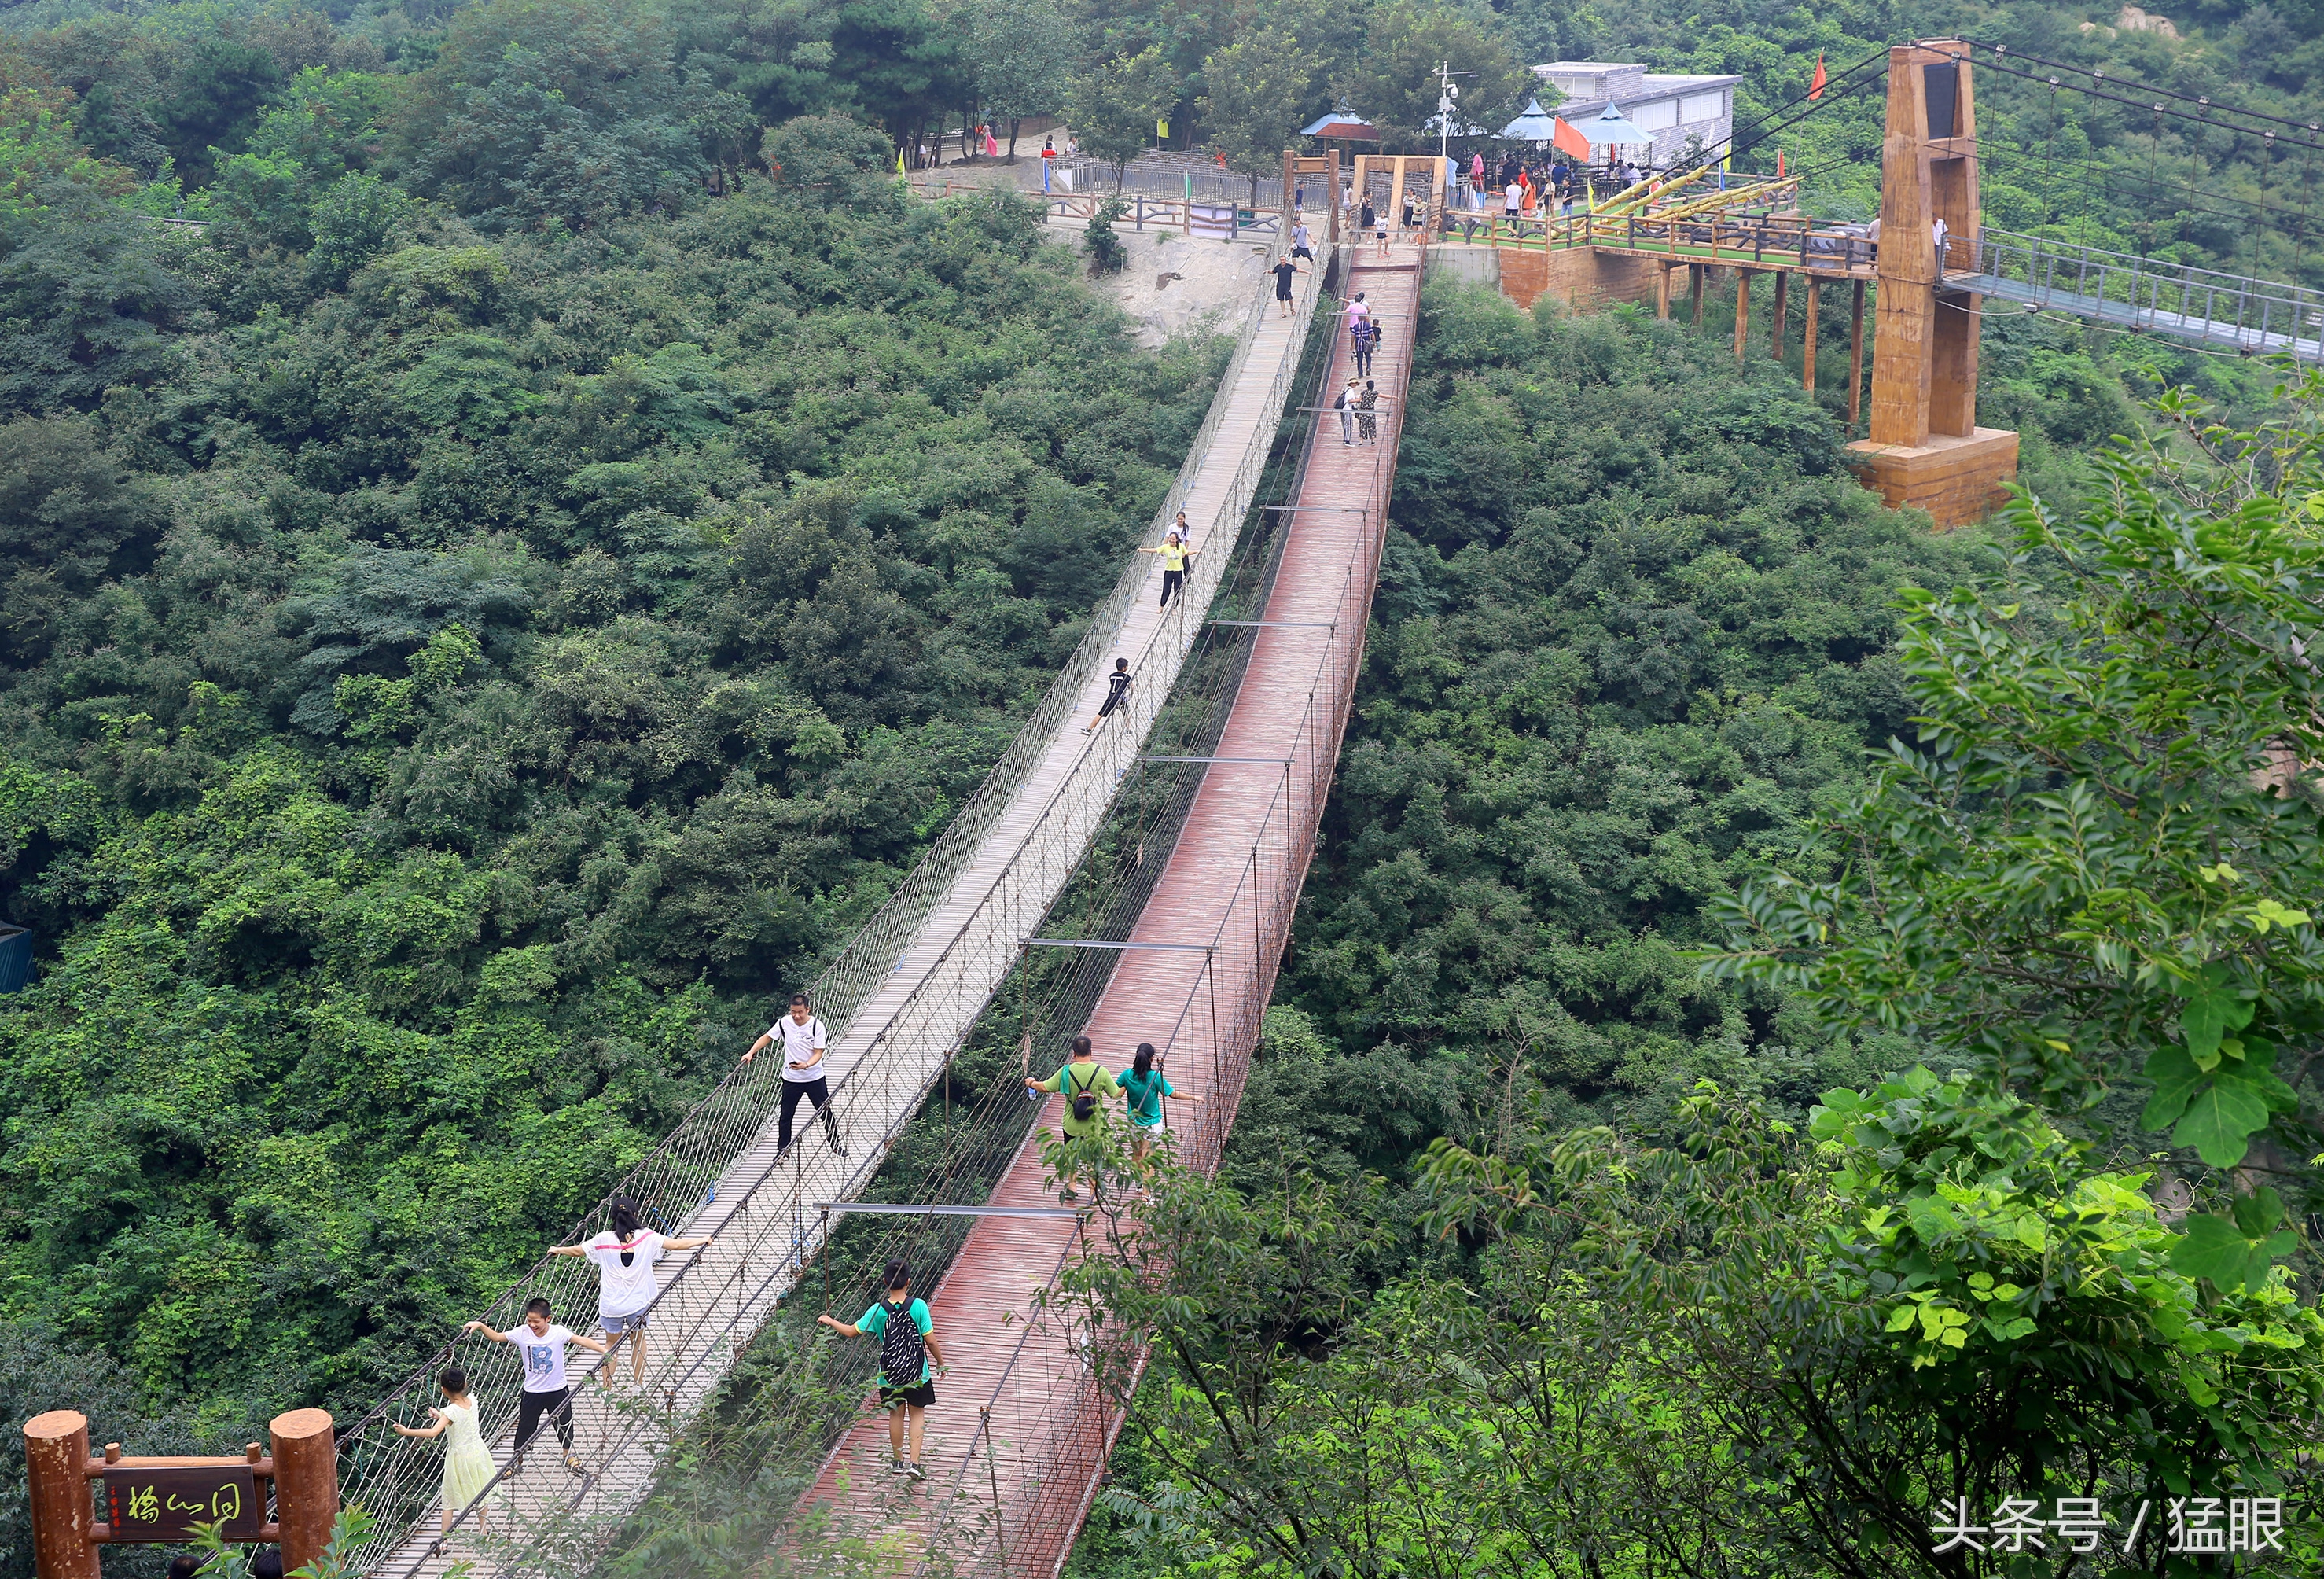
(1160, 857)
(1191, 969)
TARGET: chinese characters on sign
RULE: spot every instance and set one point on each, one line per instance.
(2192, 1526)
(161, 1504)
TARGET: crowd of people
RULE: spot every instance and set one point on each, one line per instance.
(911, 1356)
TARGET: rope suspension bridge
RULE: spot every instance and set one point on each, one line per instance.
(1173, 842)
(1138, 883)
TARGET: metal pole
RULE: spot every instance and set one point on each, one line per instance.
(992, 1478)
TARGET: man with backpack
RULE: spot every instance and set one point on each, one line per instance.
(1084, 1083)
(908, 1342)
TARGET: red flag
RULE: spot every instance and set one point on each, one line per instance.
(1779, 164)
(1816, 88)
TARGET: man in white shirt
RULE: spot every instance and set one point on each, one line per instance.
(803, 1039)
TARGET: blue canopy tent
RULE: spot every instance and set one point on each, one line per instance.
(1535, 125)
(1610, 129)
(1343, 123)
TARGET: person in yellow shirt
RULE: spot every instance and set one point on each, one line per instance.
(1174, 553)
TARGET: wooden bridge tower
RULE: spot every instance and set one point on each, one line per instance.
(1925, 448)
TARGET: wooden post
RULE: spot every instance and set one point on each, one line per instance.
(56, 1466)
(1331, 200)
(1694, 291)
(1808, 307)
(1290, 159)
(1775, 329)
(1856, 358)
(1662, 291)
(305, 1483)
(1742, 310)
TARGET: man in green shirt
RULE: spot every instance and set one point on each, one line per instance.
(1084, 1083)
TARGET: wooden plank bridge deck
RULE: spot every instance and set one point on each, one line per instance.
(1011, 1500)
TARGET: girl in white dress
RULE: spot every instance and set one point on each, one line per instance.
(467, 1461)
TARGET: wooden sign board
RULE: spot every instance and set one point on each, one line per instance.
(163, 1504)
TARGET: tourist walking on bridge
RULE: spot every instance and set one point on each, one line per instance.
(467, 1461)
(1144, 1086)
(547, 1394)
(908, 1341)
(1084, 1082)
(804, 1041)
(1175, 554)
(624, 1255)
(1117, 688)
(1282, 271)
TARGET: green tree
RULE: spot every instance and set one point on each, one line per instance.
(2095, 861)
(1021, 58)
(1116, 105)
(1395, 82)
(1263, 88)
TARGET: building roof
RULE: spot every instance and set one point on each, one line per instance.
(1652, 85)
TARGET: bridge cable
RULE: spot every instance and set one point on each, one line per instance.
(2204, 100)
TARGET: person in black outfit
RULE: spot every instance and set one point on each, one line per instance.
(1117, 686)
(1283, 271)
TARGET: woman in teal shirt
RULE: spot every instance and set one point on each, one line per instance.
(1145, 1086)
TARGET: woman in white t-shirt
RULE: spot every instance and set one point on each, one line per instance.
(625, 1255)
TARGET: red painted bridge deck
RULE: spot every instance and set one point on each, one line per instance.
(1013, 1504)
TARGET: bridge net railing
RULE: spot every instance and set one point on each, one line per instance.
(767, 1224)
(1025, 1486)
(2260, 315)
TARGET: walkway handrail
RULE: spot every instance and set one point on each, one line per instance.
(2154, 293)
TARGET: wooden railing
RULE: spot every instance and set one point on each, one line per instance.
(1774, 241)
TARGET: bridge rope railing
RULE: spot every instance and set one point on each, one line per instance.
(2179, 299)
(1054, 1440)
(765, 1218)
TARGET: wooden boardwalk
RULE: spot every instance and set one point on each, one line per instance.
(882, 1062)
(1010, 1499)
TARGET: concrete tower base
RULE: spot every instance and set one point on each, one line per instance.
(1956, 480)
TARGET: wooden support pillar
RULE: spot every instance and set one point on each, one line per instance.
(305, 1483)
(1808, 310)
(56, 1469)
(1662, 291)
(1742, 311)
(1775, 329)
(1856, 358)
(1290, 178)
(1331, 200)
(1694, 291)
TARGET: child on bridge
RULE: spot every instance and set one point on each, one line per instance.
(547, 1393)
(467, 1461)
(908, 1341)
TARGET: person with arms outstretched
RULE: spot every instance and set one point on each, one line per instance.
(1175, 554)
(624, 1255)
(908, 1342)
(547, 1393)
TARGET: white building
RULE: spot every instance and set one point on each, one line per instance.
(1673, 108)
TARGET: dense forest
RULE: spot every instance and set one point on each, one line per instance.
(515, 532)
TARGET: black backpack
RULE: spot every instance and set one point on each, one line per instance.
(1085, 1103)
(902, 1350)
